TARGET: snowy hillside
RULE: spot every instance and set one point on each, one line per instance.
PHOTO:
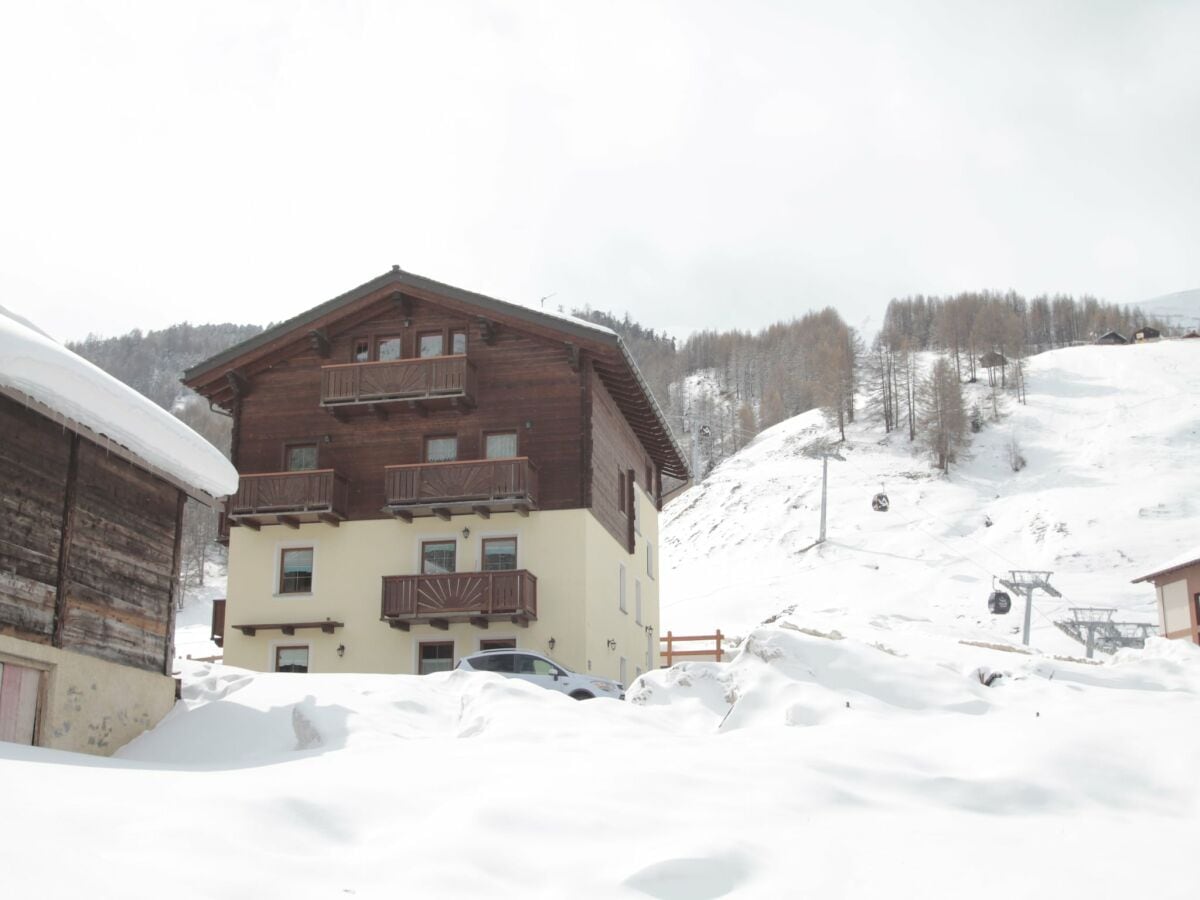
(1181, 309)
(1112, 440)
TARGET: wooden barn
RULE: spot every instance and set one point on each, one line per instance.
(1112, 337)
(93, 480)
(1146, 333)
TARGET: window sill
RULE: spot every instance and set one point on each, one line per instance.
(293, 594)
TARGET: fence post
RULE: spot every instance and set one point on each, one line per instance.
(668, 649)
(718, 645)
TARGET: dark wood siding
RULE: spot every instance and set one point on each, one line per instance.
(33, 471)
(521, 378)
(119, 523)
(615, 449)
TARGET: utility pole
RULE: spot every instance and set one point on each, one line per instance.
(1026, 581)
(824, 494)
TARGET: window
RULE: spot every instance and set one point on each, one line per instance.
(534, 665)
(387, 349)
(429, 345)
(296, 570)
(650, 561)
(19, 688)
(499, 554)
(441, 449)
(621, 587)
(500, 662)
(291, 659)
(435, 657)
(500, 445)
(637, 600)
(300, 457)
(458, 343)
(649, 479)
(633, 508)
(498, 644)
(362, 350)
(624, 671)
(620, 492)
(437, 557)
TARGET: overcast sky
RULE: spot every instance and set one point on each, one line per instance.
(695, 164)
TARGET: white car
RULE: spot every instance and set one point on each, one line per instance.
(543, 671)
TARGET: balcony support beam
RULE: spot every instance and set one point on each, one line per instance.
(442, 513)
(522, 509)
(482, 511)
(398, 624)
(440, 624)
(479, 622)
(290, 522)
(330, 519)
(521, 621)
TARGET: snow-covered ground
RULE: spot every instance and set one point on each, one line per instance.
(193, 623)
(861, 745)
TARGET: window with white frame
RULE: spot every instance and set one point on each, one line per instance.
(621, 587)
(295, 570)
(637, 600)
(650, 561)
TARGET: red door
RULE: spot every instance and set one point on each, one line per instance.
(18, 702)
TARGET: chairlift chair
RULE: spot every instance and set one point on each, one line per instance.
(880, 502)
(999, 603)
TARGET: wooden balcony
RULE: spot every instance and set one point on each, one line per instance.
(445, 489)
(475, 597)
(289, 498)
(420, 384)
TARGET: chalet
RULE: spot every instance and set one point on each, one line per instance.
(1111, 337)
(992, 360)
(427, 472)
(1146, 333)
(1177, 584)
(93, 479)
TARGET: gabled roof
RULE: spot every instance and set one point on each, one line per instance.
(1183, 561)
(215, 377)
(38, 372)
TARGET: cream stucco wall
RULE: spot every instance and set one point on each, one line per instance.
(572, 556)
(1173, 606)
(89, 705)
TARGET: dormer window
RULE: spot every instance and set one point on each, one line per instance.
(458, 342)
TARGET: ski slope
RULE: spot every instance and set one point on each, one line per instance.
(1111, 436)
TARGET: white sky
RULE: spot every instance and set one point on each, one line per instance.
(698, 164)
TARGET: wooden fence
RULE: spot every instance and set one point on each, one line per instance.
(669, 653)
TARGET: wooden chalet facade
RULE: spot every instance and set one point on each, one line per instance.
(89, 550)
(1177, 588)
(426, 471)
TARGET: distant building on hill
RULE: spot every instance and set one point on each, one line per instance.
(992, 360)
(1146, 333)
(1112, 337)
(1191, 334)
(1177, 584)
(93, 480)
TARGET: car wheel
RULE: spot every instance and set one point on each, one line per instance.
(583, 695)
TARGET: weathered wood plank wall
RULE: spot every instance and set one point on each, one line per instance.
(117, 525)
(615, 450)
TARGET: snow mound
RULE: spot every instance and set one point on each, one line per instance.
(40, 368)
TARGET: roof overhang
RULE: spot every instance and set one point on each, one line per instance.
(1175, 567)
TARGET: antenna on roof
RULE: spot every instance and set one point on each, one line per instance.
(547, 297)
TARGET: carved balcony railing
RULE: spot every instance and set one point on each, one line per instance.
(476, 597)
(289, 498)
(418, 382)
(480, 486)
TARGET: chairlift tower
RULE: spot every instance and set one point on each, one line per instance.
(1094, 628)
(823, 448)
(1026, 581)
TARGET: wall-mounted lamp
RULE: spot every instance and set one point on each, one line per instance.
(550, 643)
(612, 645)
(341, 650)
(326, 438)
(649, 629)
(528, 424)
(466, 533)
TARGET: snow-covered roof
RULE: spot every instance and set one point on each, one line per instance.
(43, 370)
(1178, 561)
